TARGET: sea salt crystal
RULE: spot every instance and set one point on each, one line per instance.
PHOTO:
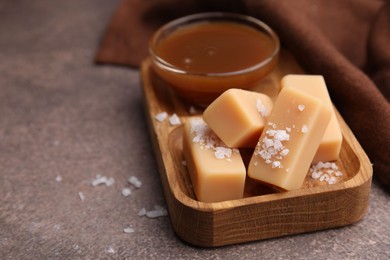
(261, 108)
(271, 147)
(281, 135)
(207, 139)
(133, 180)
(142, 212)
(58, 178)
(103, 180)
(315, 175)
(81, 196)
(192, 110)
(304, 129)
(332, 180)
(128, 230)
(222, 152)
(174, 120)
(284, 152)
(161, 116)
(325, 172)
(276, 164)
(110, 250)
(126, 192)
(324, 177)
(157, 212)
(301, 107)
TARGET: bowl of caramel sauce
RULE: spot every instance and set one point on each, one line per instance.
(202, 55)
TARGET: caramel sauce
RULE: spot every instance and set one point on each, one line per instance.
(217, 47)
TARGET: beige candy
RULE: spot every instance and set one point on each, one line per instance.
(290, 140)
(315, 85)
(238, 117)
(217, 172)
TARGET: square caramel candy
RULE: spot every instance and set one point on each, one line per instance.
(315, 85)
(238, 117)
(217, 172)
(289, 141)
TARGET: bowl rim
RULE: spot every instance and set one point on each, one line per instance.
(196, 18)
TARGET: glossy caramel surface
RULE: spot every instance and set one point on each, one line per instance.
(217, 47)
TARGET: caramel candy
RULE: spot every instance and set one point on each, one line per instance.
(217, 172)
(237, 117)
(290, 140)
(315, 85)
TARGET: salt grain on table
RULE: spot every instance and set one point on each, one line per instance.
(135, 182)
(110, 250)
(161, 116)
(103, 180)
(174, 120)
(126, 192)
(81, 196)
(157, 212)
(128, 230)
(142, 212)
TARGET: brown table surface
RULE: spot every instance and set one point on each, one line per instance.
(64, 120)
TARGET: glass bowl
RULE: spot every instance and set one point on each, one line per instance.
(203, 55)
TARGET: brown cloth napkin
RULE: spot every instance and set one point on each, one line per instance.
(346, 41)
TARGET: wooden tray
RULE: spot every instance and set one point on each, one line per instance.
(262, 213)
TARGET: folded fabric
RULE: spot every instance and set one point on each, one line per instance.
(346, 41)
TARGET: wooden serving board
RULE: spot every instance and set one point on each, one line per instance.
(262, 213)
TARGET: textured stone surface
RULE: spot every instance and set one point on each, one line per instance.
(61, 115)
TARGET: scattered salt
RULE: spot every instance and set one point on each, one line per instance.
(142, 212)
(325, 172)
(128, 230)
(207, 139)
(301, 107)
(81, 196)
(126, 192)
(135, 182)
(284, 152)
(157, 212)
(271, 148)
(261, 108)
(332, 180)
(192, 110)
(304, 129)
(161, 116)
(174, 120)
(315, 175)
(222, 152)
(103, 180)
(276, 164)
(58, 178)
(110, 250)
